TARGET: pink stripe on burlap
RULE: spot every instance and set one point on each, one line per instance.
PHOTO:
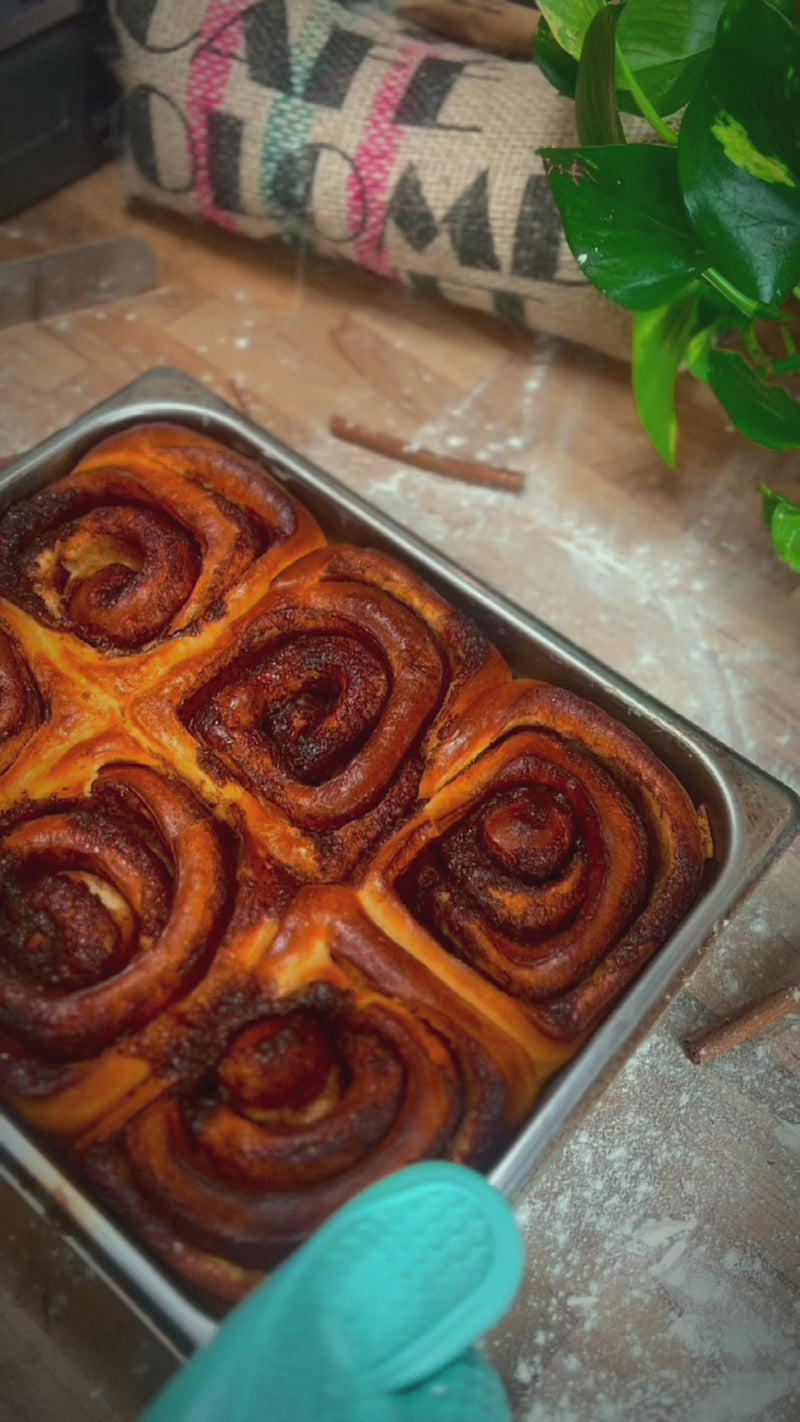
(370, 184)
(210, 71)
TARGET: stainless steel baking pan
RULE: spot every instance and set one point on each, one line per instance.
(753, 817)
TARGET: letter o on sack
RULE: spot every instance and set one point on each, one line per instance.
(319, 178)
(159, 139)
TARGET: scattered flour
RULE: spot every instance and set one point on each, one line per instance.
(630, 1312)
(788, 1133)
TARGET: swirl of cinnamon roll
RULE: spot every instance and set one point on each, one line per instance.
(111, 906)
(331, 703)
(21, 706)
(362, 1069)
(150, 536)
(557, 856)
(301, 1110)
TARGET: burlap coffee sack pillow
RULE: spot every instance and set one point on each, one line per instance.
(342, 128)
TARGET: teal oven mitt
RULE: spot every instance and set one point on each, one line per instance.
(372, 1319)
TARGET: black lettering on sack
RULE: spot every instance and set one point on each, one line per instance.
(292, 185)
(224, 133)
(509, 306)
(427, 92)
(292, 190)
(258, 38)
(147, 111)
(135, 17)
(537, 238)
(266, 39)
(467, 221)
(426, 285)
(335, 68)
(408, 209)
(269, 57)
(470, 227)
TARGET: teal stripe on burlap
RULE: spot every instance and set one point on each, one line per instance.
(290, 119)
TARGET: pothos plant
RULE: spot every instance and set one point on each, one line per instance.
(697, 231)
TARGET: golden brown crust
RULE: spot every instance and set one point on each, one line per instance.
(297, 886)
(327, 703)
(120, 894)
(22, 707)
(154, 538)
(362, 1064)
(558, 854)
(112, 905)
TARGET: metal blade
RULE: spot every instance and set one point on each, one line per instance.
(89, 275)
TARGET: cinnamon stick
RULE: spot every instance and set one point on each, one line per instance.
(391, 447)
(732, 1031)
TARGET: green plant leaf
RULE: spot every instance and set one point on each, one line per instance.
(569, 20)
(766, 414)
(739, 152)
(750, 309)
(783, 521)
(697, 352)
(561, 70)
(625, 222)
(667, 44)
(660, 342)
(717, 311)
(595, 92)
(715, 319)
(557, 66)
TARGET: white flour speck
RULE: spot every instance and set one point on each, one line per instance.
(788, 1133)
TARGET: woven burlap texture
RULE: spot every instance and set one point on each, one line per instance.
(353, 135)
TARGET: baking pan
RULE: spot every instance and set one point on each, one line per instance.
(753, 817)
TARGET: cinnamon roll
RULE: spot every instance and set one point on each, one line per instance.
(156, 533)
(116, 901)
(362, 1063)
(333, 699)
(557, 854)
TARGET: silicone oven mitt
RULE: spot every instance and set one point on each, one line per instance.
(371, 1320)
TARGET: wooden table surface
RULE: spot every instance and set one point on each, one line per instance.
(663, 1277)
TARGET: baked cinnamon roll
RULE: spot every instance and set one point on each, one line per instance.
(555, 857)
(156, 534)
(116, 901)
(361, 1064)
(332, 700)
